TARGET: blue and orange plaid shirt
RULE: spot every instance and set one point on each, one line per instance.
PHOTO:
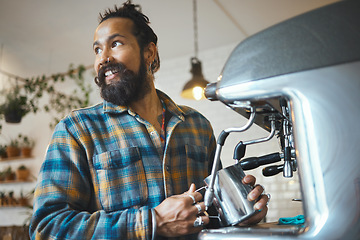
(106, 169)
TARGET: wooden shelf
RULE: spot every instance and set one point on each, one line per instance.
(15, 206)
(15, 181)
(8, 159)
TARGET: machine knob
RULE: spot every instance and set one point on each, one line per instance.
(254, 162)
(272, 170)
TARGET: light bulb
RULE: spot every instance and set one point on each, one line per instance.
(198, 92)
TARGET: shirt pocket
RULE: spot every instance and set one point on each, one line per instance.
(197, 164)
(121, 179)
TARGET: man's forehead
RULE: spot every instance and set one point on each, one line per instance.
(115, 25)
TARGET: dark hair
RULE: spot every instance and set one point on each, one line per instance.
(141, 30)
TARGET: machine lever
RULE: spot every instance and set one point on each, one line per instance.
(272, 170)
(239, 151)
(241, 146)
(254, 162)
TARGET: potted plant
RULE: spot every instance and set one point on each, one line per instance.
(2, 176)
(11, 199)
(22, 173)
(3, 153)
(23, 200)
(9, 174)
(12, 149)
(3, 199)
(15, 106)
(26, 145)
(22, 99)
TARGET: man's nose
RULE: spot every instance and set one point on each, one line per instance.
(106, 58)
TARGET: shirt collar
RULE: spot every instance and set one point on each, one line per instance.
(113, 108)
(171, 106)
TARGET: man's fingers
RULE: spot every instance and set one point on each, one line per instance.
(261, 204)
(199, 208)
(193, 196)
(192, 188)
(200, 221)
(257, 217)
(193, 199)
(255, 193)
(249, 179)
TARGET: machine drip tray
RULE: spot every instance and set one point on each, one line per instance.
(260, 229)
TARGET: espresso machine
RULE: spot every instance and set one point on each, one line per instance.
(300, 81)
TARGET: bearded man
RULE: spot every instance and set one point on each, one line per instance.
(127, 168)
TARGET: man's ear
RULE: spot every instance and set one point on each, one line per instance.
(150, 52)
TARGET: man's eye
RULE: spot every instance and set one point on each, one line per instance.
(97, 50)
(116, 44)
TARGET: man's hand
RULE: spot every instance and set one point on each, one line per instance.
(176, 215)
(261, 204)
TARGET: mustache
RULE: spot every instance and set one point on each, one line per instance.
(119, 68)
(131, 86)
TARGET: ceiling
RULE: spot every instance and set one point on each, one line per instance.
(45, 36)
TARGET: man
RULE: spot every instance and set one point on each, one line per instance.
(127, 168)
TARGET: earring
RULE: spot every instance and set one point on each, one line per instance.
(150, 69)
(96, 80)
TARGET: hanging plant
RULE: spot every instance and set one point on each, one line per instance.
(62, 103)
(17, 104)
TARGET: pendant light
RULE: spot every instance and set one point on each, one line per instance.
(194, 88)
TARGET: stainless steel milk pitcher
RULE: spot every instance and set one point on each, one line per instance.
(230, 195)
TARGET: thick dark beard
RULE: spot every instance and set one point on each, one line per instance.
(130, 88)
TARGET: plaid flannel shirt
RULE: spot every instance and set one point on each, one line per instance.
(105, 171)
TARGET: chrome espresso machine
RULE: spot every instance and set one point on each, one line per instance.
(300, 80)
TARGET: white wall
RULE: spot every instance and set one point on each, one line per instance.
(172, 76)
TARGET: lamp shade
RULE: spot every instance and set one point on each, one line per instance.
(194, 88)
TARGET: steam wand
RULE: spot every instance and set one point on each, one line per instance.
(209, 194)
(239, 151)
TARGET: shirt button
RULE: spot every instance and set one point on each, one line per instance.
(168, 168)
(153, 133)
